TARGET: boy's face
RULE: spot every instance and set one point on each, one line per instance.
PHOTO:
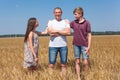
(58, 14)
(77, 15)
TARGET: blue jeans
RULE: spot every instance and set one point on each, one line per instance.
(53, 51)
(78, 50)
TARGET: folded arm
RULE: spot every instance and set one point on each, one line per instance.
(63, 32)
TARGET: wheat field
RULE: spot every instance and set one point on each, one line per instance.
(104, 60)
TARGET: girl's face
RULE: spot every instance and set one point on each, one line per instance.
(37, 24)
(77, 15)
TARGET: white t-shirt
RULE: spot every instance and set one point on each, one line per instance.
(59, 41)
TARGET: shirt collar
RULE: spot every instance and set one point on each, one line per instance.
(77, 21)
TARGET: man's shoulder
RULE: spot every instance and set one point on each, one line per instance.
(66, 21)
(51, 20)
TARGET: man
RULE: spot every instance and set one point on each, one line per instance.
(58, 30)
(81, 40)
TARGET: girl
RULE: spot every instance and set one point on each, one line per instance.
(31, 44)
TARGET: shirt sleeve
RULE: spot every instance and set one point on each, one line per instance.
(71, 24)
(67, 23)
(49, 23)
(88, 28)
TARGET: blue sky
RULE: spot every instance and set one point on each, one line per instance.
(104, 15)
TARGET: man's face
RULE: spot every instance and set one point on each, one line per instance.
(58, 14)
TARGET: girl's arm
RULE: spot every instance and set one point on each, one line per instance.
(31, 45)
(44, 32)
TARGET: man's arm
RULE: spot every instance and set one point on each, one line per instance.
(52, 32)
(63, 32)
(66, 32)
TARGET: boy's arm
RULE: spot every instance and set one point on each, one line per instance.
(89, 42)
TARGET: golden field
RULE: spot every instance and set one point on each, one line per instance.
(104, 60)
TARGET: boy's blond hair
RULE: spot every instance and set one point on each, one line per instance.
(78, 10)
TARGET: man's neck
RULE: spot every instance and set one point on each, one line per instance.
(59, 19)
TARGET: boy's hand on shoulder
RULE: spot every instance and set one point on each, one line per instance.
(67, 21)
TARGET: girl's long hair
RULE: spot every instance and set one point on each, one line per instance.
(30, 27)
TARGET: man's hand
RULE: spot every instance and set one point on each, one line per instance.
(53, 32)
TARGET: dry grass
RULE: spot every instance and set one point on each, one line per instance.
(104, 60)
